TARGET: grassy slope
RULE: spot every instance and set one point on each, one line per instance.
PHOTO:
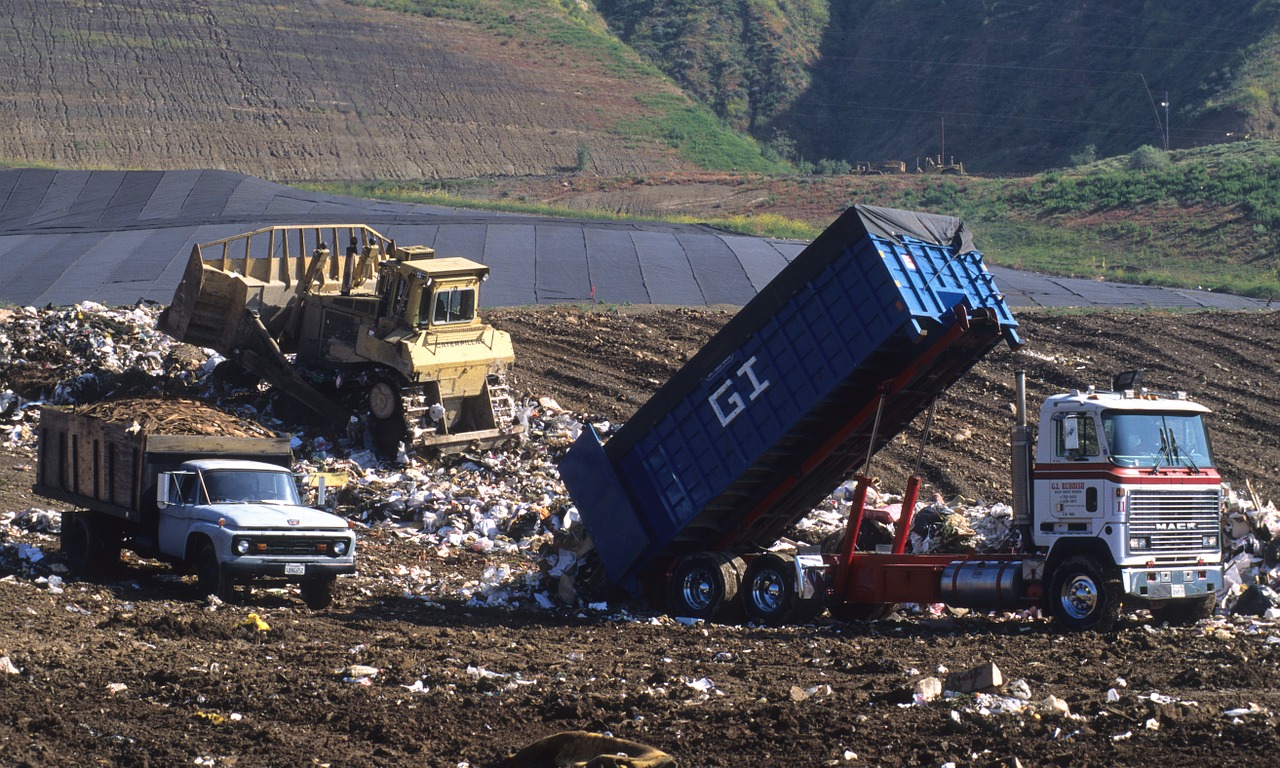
(1206, 219)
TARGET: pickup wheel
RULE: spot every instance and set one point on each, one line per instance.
(318, 593)
(210, 578)
(770, 595)
(1187, 611)
(1085, 594)
(90, 545)
(705, 585)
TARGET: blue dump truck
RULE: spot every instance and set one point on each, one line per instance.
(828, 363)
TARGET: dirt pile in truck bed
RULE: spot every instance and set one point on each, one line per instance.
(434, 655)
(174, 417)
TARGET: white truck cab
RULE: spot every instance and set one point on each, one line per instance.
(1126, 479)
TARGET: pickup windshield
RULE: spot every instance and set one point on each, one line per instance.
(1156, 440)
(247, 485)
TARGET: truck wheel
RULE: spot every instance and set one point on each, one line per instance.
(1085, 594)
(210, 578)
(770, 595)
(90, 546)
(705, 585)
(318, 593)
(1187, 611)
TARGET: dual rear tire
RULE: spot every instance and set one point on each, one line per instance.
(716, 586)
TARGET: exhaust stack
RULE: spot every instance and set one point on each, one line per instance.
(1020, 462)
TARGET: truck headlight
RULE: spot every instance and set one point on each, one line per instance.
(1139, 543)
(242, 546)
(1209, 541)
(340, 548)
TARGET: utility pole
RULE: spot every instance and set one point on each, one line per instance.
(1165, 104)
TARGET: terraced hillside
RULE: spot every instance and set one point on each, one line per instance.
(322, 89)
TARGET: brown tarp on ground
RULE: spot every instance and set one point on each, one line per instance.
(580, 749)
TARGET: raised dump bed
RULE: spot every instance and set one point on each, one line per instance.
(781, 405)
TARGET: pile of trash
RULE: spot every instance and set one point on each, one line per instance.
(961, 526)
(1251, 535)
(82, 354)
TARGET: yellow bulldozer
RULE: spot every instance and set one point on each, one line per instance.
(381, 334)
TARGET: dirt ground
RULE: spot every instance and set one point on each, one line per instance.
(135, 671)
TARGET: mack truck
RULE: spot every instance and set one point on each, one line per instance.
(386, 333)
(225, 508)
(848, 345)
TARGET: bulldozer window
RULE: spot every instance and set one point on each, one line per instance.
(453, 305)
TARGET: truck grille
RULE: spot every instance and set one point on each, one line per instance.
(292, 546)
(1176, 521)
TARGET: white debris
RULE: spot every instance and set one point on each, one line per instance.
(1249, 711)
(7, 667)
(360, 674)
(482, 673)
(1019, 689)
(1052, 705)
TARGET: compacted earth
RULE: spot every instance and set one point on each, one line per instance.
(134, 669)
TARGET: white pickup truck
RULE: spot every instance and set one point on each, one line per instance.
(225, 508)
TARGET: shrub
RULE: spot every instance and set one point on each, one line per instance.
(1147, 158)
(1085, 156)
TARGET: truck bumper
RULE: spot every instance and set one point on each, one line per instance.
(291, 571)
(1172, 582)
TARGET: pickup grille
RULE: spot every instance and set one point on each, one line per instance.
(291, 546)
(1176, 521)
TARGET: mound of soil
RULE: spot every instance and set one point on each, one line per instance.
(133, 670)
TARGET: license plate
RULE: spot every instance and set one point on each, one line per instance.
(1178, 590)
(295, 569)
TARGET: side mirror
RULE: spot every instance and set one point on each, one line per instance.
(167, 490)
(1071, 433)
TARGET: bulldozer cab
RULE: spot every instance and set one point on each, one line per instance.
(434, 294)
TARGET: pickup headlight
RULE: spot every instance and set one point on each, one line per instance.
(242, 546)
(340, 547)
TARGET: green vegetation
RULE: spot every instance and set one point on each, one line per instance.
(453, 195)
(1204, 218)
(746, 59)
(700, 138)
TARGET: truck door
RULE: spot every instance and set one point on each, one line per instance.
(177, 493)
(1069, 489)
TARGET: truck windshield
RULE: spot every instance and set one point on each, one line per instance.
(246, 485)
(1157, 439)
